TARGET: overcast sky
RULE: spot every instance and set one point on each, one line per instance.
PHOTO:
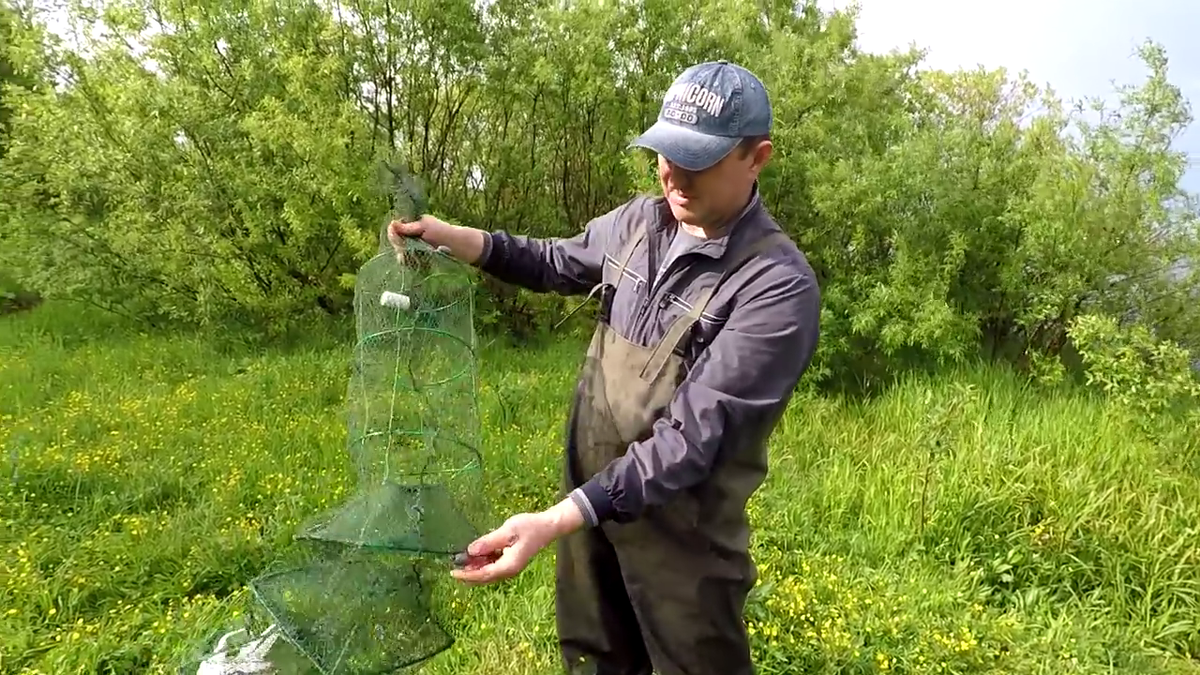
(1079, 47)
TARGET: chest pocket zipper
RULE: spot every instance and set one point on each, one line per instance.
(672, 299)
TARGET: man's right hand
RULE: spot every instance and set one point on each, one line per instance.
(399, 231)
(464, 243)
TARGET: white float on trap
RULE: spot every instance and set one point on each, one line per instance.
(397, 300)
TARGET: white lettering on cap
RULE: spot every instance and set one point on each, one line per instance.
(695, 96)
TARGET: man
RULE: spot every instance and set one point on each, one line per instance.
(708, 318)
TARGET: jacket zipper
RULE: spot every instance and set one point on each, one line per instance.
(655, 290)
(639, 322)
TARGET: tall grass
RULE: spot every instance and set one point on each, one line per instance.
(957, 523)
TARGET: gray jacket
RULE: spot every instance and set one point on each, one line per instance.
(745, 357)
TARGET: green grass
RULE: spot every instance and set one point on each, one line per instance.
(962, 523)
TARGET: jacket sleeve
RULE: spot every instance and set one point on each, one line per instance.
(567, 266)
(740, 384)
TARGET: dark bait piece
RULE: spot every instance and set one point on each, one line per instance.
(463, 559)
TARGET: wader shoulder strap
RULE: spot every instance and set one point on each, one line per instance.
(682, 326)
(626, 256)
(627, 253)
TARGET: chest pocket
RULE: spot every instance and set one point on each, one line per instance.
(615, 277)
(685, 324)
(672, 307)
(621, 286)
(624, 286)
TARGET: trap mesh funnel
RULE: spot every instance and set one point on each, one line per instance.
(355, 611)
(365, 593)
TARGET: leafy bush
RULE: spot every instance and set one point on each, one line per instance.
(225, 169)
(1145, 375)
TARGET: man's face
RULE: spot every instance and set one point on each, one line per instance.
(710, 197)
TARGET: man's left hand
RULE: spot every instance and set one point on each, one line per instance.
(508, 549)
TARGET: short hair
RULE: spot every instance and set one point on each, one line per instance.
(749, 143)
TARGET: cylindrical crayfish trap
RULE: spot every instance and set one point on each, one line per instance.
(359, 594)
(413, 409)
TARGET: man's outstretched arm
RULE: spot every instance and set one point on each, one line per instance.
(568, 266)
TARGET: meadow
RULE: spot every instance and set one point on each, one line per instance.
(957, 522)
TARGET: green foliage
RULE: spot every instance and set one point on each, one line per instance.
(230, 181)
(1145, 375)
(6, 72)
(15, 71)
(964, 522)
(215, 162)
(16, 74)
(218, 160)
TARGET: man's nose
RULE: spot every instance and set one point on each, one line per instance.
(678, 175)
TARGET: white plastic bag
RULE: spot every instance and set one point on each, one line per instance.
(240, 653)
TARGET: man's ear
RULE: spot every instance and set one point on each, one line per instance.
(762, 154)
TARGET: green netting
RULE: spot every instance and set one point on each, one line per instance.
(413, 416)
(357, 611)
(364, 591)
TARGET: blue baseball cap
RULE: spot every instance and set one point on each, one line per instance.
(707, 111)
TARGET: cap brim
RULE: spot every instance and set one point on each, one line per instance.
(689, 149)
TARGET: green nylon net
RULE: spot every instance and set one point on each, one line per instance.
(364, 589)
